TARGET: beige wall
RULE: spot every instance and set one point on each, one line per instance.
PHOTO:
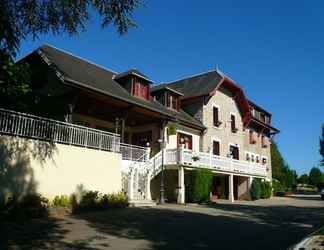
(57, 169)
(223, 99)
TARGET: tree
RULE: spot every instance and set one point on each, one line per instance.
(322, 147)
(303, 179)
(21, 18)
(280, 169)
(315, 177)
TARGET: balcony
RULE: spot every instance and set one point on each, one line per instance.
(28, 126)
(213, 162)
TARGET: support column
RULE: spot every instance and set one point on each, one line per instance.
(148, 186)
(131, 186)
(181, 186)
(230, 188)
(250, 182)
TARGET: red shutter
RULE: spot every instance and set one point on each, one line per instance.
(178, 103)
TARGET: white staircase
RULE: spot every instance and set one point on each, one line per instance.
(136, 180)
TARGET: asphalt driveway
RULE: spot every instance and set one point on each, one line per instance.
(265, 224)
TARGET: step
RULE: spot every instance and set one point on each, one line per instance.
(142, 203)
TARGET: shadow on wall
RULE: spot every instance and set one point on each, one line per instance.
(16, 173)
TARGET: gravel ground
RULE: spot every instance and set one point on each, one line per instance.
(264, 224)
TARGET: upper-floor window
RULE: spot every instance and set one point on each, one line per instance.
(216, 120)
(173, 101)
(264, 142)
(233, 124)
(141, 89)
(216, 148)
(252, 137)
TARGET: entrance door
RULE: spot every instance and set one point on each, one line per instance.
(235, 152)
(142, 138)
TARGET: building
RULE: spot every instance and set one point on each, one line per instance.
(202, 121)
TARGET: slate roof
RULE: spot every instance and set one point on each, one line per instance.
(86, 74)
(196, 85)
(133, 72)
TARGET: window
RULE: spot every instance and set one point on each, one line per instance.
(216, 117)
(264, 160)
(252, 158)
(185, 139)
(247, 156)
(257, 160)
(216, 147)
(141, 89)
(251, 137)
(264, 141)
(233, 125)
(262, 117)
(234, 150)
(173, 101)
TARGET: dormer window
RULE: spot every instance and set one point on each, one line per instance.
(141, 88)
(135, 83)
(167, 96)
(173, 101)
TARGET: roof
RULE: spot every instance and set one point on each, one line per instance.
(89, 75)
(197, 85)
(258, 107)
(134, 72)
(161, 86)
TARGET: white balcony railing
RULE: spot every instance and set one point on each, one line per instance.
(214, 162)
(34, 127)
(134, 153)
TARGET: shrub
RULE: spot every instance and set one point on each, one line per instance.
(201, 181)
(256, 189)
(30, 206)
(266, 190)
(118, 200)
(62, 201)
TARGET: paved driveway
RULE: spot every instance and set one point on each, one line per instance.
(264, 224)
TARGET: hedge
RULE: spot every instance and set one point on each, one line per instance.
(201, 182)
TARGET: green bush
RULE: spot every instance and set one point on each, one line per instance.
(266, 190)
(201, 182)
(118, 200)
(62, 201)
(93, 200)
(256, 189)
(277, 186)
(30, 206)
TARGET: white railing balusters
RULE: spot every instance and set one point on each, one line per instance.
(34, 127)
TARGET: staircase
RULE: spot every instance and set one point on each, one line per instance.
(137, 177)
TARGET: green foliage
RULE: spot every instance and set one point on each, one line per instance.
(256, 189)
(93, 200)
(62, 201)
(321, 150)
(266, 190)
(303, 179)
(277, 186)
(280, 169)
(30, 206)
(22, 18)
(201, 182)
(172, 129)
(315, 177)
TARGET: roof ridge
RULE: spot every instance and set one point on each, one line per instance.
(79, 57)
(191, 76)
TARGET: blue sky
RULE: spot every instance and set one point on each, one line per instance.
(273, 49)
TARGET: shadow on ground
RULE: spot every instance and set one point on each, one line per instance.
(217, 226)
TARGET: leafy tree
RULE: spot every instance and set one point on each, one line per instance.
(303, 179)
(21, 18)
(322, 147)
(280, 169)
(315, 177)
